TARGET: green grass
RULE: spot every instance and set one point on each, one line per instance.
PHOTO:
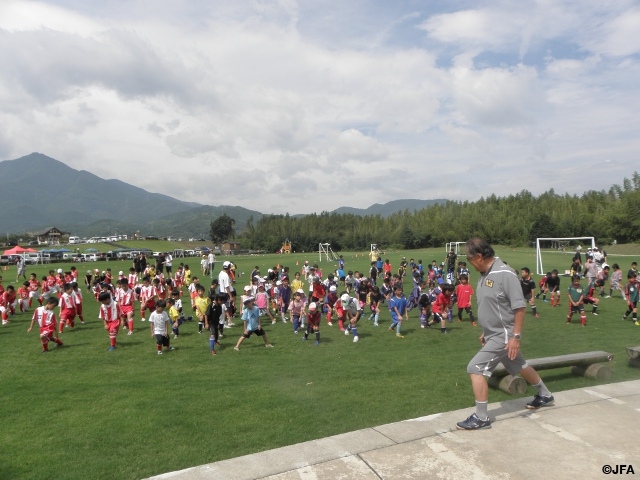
(81, 412)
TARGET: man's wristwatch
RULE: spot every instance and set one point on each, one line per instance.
(517, 336)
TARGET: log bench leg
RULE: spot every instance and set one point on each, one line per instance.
(634, 362)
(509, 384)
(597, 371)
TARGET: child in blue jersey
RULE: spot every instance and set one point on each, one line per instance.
(398, 309)
(251, 319)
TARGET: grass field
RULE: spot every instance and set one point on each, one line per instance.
(81, 412)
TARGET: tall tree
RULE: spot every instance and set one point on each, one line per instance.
(222, 228)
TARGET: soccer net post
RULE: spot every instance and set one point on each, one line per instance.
(453, 245)
(539, 268)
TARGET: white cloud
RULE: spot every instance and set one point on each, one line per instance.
(282, 99)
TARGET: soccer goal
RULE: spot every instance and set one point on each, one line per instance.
(556, 241)
(453, 245)
(325, 249)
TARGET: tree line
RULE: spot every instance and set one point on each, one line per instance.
(513, 220)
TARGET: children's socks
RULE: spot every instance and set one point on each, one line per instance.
(375, 319)
(533, 310)
(200, 327)
(212, 343)
(398, 329)
(583, 319)
(130, 322)
(318, 336)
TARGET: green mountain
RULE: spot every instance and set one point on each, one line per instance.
(389, 208)
(39, 191)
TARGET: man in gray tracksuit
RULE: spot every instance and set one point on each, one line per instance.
(501, 310)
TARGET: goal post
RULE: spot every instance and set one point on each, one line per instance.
(326, 250)
(453, 245)
(539, 269)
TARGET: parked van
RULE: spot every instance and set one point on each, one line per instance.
(35, 258)
(89, 257)
(74, 240)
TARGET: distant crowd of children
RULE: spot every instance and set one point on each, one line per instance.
(340, 296)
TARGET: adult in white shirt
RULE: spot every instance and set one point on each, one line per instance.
(168, 265)
(212, 263)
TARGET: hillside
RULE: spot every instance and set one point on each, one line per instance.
(54, 193)
(92, 203)
(389, 208)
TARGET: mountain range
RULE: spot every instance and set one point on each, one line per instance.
(39, 192)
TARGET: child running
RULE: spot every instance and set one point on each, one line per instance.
(212, 320)
(576, 301)
(398, 309)
(631, 293)
(46, 319)
(251, 319)
(110, 315)
(296, 307)
(464, 292)
(201, 306)
(125, 297)
(159, 320)
(313, 323)
(615, 282)
(441, 307)
(67, 308)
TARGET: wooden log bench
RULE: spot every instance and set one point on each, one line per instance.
(634, 356)
(593, 365)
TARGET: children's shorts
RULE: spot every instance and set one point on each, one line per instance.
(162, 340)
(259, 332)
(576, 309)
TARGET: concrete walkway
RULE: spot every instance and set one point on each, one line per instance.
(587, 429)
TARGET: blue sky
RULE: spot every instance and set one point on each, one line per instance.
(301, 106)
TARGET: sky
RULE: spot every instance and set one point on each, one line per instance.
(304, 106)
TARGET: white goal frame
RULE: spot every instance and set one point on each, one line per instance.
(539, 269)
(449, 245)
(325, 248)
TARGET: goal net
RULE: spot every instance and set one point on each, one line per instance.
(557, 244)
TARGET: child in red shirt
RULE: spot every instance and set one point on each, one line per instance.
(34, 289)
(440, 308)
(46, 319)
(464, 291)
(7, 303)
(77, 298)
(67, 308)
(23, 297)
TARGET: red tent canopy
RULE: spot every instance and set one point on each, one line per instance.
(18, 250)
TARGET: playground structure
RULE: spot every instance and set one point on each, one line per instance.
(286, 246)
(556, 241)
(325, 249)
(455, 246)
